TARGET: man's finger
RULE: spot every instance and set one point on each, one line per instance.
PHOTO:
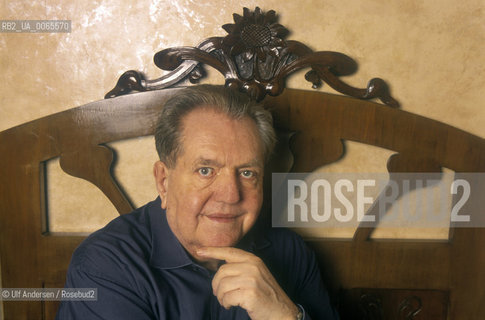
(228, 254)
(229, 284)
(232, 299)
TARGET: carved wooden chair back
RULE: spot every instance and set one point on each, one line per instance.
(407, 279)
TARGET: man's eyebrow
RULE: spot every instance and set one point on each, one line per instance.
(207, 162)
(252, 163)
(211, 162)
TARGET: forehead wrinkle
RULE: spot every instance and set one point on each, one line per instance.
(206, 145)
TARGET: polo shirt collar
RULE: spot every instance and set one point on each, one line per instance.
(167, 252)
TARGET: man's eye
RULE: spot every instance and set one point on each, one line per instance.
(247, 173)
(205, 172)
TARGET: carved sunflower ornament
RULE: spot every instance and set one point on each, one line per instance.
(255, 33)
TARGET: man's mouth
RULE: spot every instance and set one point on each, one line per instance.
(222, 218)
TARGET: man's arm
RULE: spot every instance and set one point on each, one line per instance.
(310, 291)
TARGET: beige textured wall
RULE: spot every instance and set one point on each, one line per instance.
(431, 52)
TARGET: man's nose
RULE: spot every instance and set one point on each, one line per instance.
(227, 188)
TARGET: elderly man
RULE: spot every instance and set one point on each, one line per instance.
(194, 252)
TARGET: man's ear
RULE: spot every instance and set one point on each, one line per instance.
(160, 171)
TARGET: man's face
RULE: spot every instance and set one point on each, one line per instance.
(213, 194)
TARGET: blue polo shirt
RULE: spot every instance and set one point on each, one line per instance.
(141, 271)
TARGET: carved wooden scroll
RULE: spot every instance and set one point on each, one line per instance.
(253, 57)
(399, 304)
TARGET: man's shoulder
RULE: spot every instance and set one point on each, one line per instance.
(284, 237)
(123, 240)
(284, 245)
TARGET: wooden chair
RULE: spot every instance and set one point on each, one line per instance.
(374, 279)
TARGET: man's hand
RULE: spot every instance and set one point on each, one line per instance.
(245, 281)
